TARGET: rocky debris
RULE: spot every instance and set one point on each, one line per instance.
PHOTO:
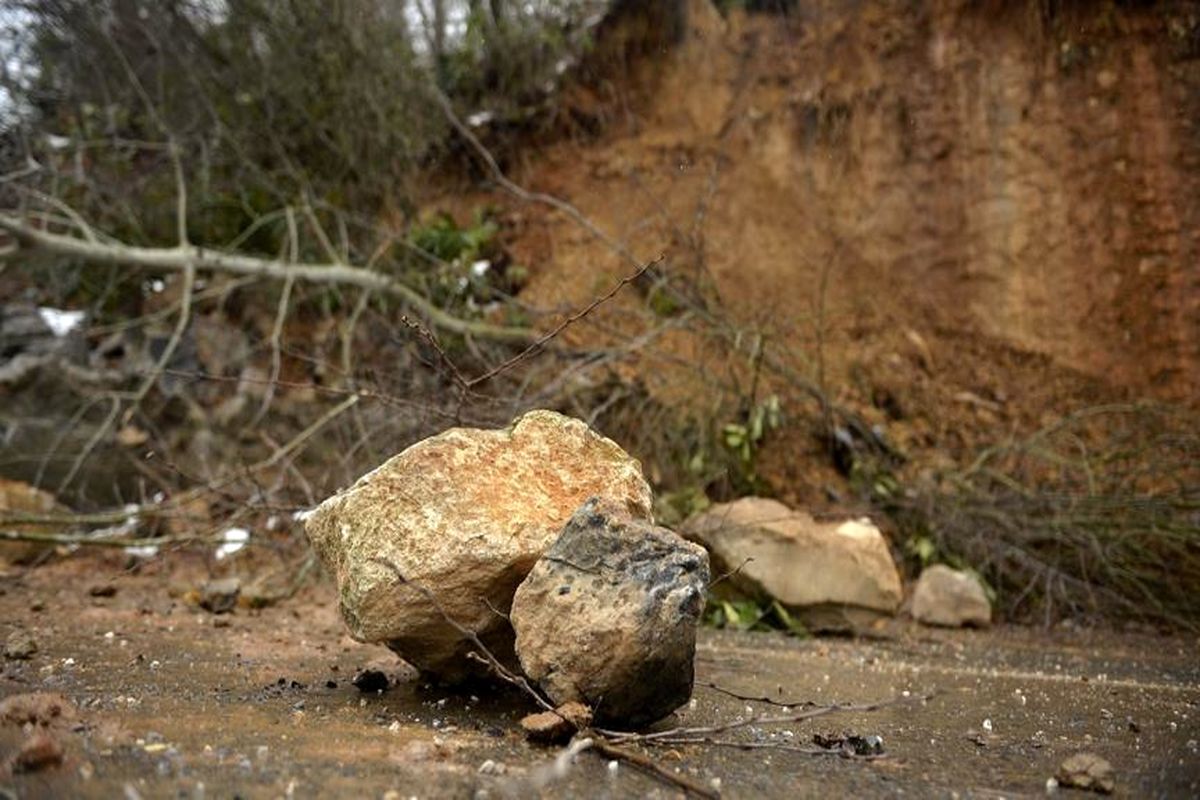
(220, 596)
(608, 616)
(1087, 771)
(448, 528)
(831, 574)
(557, 726)
(850, 744)
(20, 645)
(43, 709)
(950, 598)
(39, 752)
(371, 680)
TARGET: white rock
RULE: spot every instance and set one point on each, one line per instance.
(950, 598)
(767, 549)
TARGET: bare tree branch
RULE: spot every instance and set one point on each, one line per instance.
(201, 259)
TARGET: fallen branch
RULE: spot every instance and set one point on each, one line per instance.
(202, 259)
(99, 541)
(653, 768)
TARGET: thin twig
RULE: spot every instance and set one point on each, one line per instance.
(569, 320)
(654, 769)
(754, 698)
(503, 672)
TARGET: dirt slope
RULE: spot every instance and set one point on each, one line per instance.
(960, 169)
(963, 220)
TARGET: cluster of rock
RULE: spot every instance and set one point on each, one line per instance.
(537, 544)
(833, 576)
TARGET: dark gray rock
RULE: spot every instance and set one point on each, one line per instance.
(220, 596)
(607, 617)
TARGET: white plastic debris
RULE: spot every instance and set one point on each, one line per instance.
(60, 322)
(480, 118)
(142, 551)
(480, 268)
(233, 540)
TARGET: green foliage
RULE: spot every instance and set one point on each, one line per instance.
(442, 238)
(671, 508)
(743, 439)
(463, 268)
(752, 615)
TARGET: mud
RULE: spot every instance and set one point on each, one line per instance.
(174, 701)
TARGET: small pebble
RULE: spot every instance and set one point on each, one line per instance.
(20, 645)
(37, 753)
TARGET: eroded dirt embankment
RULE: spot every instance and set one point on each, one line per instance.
(960, 170)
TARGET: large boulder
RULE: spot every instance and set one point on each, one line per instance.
(835, 575)
(950, 598)
(446, 530)
(608, 616)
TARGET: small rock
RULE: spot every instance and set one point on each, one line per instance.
(460, 518)
(20, 645)
(950, 598)
(490, 767)
(44, 709)
(371, 680)
(1087, 771)
(220, 596)
(850, 744)
(37, 753)
(607, 617)
(103, 590)
(834, 575)
(557, 726)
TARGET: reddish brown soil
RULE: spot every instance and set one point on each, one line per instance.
(989, 214)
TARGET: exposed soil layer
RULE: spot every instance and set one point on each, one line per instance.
(263, 706)
(989, 213)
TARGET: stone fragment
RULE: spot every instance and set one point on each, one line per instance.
(370, 681)
(1087, 771)
(38, 752)
(557, 726)
(950, 598)
(20, 645)
(44, 709)
(448, 528)
(832, 574)
(220, 596)
(607, 617)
